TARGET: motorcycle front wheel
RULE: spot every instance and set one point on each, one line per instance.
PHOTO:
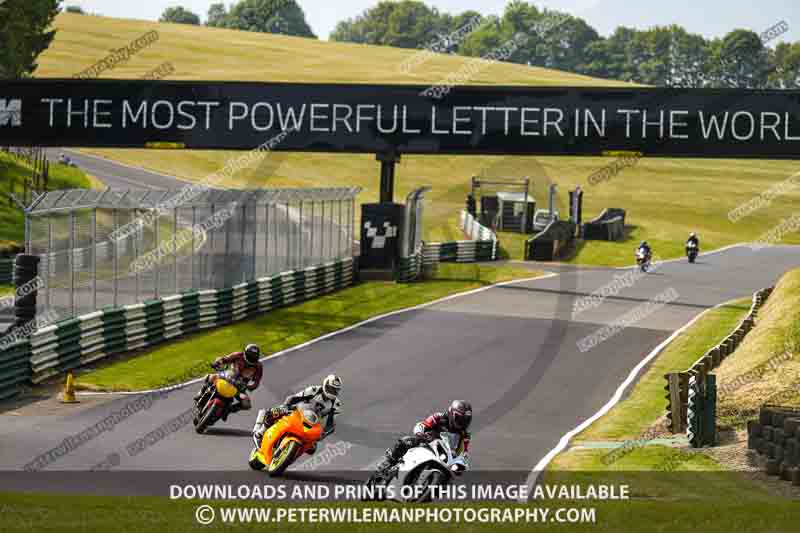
(283, 459)
(206, 420)
(426, 481)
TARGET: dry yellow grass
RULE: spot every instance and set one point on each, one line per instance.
(766, 367)
(203, 53)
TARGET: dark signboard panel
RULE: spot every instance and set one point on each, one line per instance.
(401, 118)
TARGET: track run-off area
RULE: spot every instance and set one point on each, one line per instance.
(511, 349)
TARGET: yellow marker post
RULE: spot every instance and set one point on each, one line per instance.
(68, 396)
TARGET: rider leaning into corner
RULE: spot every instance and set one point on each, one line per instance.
(321, 399)
(246, 366)
(456, 421)
(693, 239)
(646, 248)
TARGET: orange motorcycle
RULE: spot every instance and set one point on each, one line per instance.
(287, 439)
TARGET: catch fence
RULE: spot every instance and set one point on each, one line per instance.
(101, 248)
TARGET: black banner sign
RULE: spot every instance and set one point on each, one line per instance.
(401, 118)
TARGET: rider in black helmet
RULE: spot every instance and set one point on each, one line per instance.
(246, 364)
(456, 420)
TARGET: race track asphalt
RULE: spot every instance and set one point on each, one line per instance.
(511, 350)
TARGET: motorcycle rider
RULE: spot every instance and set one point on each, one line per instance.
(246, 366)
(693, 240)
(456, 420)
(648, 253)
(322, 399)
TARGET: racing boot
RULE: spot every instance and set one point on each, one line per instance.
(384, 468)
(260, 427)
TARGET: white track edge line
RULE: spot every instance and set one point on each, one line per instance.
(537, 470)
(331, 334)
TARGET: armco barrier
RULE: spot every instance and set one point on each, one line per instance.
(483, 247)
(71, 343)
(678, 382)
(409, 268)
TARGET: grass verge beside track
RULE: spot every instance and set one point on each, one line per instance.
(290, 326)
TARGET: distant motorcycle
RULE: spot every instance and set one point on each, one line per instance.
(643, 260)
(216, 399)
(431, 464)
(65, 160)
(691, 251)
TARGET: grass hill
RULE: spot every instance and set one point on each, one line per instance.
(665, 198)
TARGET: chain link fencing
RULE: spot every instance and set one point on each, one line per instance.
(120, 247)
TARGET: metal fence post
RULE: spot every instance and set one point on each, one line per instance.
(241, 243)
(288, 238)
(94, 258)
(322, 233)
(254, 274)
(211, 255)
(311, 231)
(50, 259)
(71, 261)
(301, 254)
(227, 254)
(339, 240)
(275, 232)
(175, 246)
(194, 225)
(115, 216)
(137, 238)
(266, 239)
(156, 263)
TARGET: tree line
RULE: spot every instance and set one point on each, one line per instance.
(661, 56)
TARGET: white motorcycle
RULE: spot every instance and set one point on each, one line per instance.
(643, 260)
(422, 467)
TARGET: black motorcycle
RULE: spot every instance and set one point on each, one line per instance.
(691, 251)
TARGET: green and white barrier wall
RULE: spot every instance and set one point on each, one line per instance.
(7, 271)
(71, 343)
(481, 247)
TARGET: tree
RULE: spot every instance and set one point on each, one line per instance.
(24, 35)
(269, 16)
(405, 24)
(690, 59)
(739, 60)
(74, 9)
(179, 15)
(217, 15)
(786, 66)
(483, 40)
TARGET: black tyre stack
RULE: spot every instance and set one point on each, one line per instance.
(26, 269)
(776, 436)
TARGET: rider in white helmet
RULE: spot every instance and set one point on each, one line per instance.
(322, 399)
